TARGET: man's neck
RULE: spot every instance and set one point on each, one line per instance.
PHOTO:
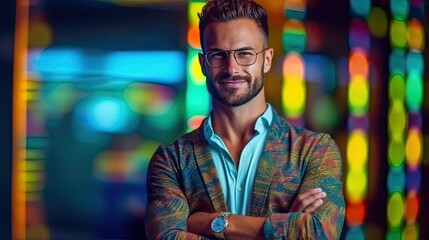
(236, 124)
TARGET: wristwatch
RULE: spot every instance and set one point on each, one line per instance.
(220, 224)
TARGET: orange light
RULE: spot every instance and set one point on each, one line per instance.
(412, 207)
(194, 37)
(358, 64)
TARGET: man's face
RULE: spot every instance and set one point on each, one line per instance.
(233, 84)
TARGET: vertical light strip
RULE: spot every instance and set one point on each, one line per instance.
(294, 39)
(19, 120)
(358, 102)
(397, 118)
(197, 97)
(414, 94)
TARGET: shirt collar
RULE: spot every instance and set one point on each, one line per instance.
(262, 123)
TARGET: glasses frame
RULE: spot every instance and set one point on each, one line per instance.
(228, 52)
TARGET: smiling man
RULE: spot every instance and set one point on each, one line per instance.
(245, 173)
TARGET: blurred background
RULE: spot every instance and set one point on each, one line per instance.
(90, 88)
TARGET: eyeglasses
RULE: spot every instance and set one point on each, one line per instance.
(245, 57)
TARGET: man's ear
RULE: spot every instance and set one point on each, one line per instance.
(268, 59)
(201, 59)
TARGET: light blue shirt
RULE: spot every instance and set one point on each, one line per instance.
(237, 184)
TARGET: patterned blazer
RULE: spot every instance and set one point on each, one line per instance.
(182, 179)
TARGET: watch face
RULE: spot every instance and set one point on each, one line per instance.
(218, 225)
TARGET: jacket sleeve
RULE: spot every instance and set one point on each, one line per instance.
(168, 209)
(322, 168)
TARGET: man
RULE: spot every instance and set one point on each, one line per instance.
(245, 173)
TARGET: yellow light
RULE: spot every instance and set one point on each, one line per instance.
(358, 94)
(411, 232)
(35, 165)
(33, 177)
(414, 148)
(395, 210)
(416, 35)
(194, 8)
(357, 150)
(293, 97)
(356, 185)
(40, 34)
(294, 91)
(197, 76)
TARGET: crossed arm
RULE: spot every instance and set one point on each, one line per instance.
(248, 227)
(179, 207)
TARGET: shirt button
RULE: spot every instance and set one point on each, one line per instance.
(239, 189)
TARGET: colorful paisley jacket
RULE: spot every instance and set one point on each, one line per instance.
(182, 179)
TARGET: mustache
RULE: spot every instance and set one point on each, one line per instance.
(234, 78)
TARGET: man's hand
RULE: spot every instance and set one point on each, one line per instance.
(308, 202)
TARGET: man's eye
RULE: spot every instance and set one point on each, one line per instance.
(245, 54)
(217, 55)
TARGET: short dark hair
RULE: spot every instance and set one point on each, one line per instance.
(227, 10)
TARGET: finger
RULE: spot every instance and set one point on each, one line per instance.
(314, 206)
(305, 199)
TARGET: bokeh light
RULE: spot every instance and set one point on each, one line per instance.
(377, 22)
(294, 90)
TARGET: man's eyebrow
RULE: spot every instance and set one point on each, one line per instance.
(223, 50)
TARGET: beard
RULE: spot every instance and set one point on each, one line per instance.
(229, 97)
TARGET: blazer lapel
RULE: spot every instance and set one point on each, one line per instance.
(208, 171)
(271, 157)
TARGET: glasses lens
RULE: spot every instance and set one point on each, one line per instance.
(217, 59)
(245, 57)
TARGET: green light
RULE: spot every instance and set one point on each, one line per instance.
(414, 91)
(415, 62)
(397, 88)
(396, 153)
(397, 119)
(397, 62)
(398, 34)
(377, 22)
(396, 180)
(324, 114)
(399, 9)
(361, 7)
(393, 234)
(294, 36)
(395, 210)
(295, 14)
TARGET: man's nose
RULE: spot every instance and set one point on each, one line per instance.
(231, 63)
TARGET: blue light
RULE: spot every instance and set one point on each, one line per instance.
(165, 67)
(162, 67)
(56, 63)
(105, 114)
